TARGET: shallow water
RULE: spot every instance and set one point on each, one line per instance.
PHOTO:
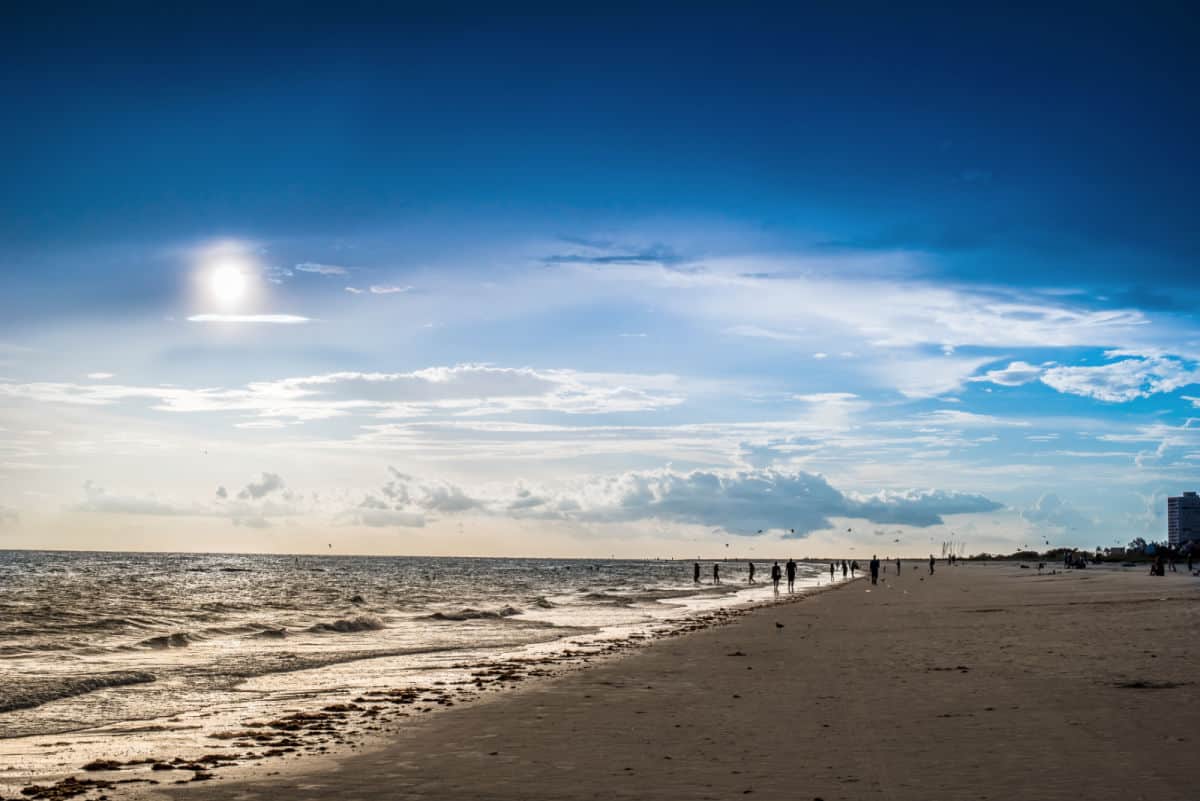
(101, 643)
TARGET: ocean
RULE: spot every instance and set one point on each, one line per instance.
(156, 649)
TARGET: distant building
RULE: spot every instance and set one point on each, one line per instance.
(1183, 518)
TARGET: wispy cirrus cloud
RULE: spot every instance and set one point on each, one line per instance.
(459, 390)
(321, 269)
(1014, 375)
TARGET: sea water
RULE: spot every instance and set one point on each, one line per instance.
(106, 644)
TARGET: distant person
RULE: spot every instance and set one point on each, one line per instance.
(696, 573)
(776, 574)
(897, 567)
(716, 573)
(874, 565)
(845, 569)
(931, 562)
(791, 574)
(854, 568)
(833, 571)
(751, 581)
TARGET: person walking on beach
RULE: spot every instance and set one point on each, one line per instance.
(832, 571)
(696, 573)
(853, 568)
(897, 568)
(716, 573)
(751, 581)
(776, 574)
(791, 574)
(845, 569)
(931, 562)
(874, 569)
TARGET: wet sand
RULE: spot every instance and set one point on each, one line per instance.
(980, 682)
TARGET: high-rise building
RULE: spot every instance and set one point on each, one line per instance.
(1183, 518)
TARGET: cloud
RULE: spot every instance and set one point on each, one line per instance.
(100, 376)
(458, 390)
(1124, 380)
(748, 501)
(277, 275)
(961, 419)
(321, 269)
(407, 501)
(354, 290)
(602, 254)
(917, 377)
(388, 289)
(826, 397)
(742, 502)
(1050, 510)
(97, 499)
(222, 492)
(1016, 374)
(277, 319)
(758, 332)
(268, 483)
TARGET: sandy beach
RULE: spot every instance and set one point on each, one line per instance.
(980, 682)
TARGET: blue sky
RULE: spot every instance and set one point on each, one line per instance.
(605, 282)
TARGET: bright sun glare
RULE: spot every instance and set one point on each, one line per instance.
(228, 284)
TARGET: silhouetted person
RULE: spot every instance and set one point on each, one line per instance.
(874, 565)
(716, 573)
(696, 573)
(931, 561)
(853, 568)
(897, 567)
(845, 569)
(791, 574)
(776, 574)
(751, 581)
(832, 571)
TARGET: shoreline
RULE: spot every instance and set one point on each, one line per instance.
(982, 681)
(326, 724)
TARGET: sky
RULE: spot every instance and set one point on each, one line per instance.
(614, 282)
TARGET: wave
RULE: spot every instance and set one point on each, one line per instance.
(475, 614)
(606, 599)
(350, 625)
(178, 640)
(270, 634)
(65, 623)
(33, 692)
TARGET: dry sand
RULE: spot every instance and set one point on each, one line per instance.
(980, 682)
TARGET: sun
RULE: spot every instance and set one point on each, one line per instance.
(227, 283)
